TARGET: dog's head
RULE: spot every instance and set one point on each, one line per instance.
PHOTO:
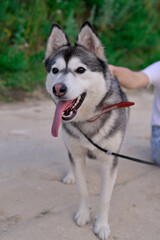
(76, 75)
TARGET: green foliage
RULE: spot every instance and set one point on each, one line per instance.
(129, 30)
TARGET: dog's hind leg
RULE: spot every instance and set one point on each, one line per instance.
(82, 216)
(108, 176)
(69, 178)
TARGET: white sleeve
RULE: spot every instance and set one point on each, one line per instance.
(153, 73)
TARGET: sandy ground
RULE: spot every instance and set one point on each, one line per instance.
(36, 205)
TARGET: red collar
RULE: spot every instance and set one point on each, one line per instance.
(112, 107)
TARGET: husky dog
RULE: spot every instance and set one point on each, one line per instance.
(80, 84)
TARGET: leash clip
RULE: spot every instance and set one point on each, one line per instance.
(108, 152)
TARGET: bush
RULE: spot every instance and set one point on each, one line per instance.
(129, 29)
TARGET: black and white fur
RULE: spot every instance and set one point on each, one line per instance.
(107, 131)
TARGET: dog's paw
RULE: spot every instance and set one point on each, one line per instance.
(69, 178)
(102, 231)
(82, 218)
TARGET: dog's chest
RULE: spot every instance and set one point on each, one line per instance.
(102, 132)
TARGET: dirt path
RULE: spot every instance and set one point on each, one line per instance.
(35, 205)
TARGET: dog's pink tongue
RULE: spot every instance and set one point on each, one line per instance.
(61, 106)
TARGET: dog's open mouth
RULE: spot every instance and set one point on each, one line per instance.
(66, 110)
(71, 111)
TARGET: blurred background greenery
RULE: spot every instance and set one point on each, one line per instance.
(129, 30)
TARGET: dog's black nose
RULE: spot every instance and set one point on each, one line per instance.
(59, 89)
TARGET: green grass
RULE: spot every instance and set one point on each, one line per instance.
(44, 213)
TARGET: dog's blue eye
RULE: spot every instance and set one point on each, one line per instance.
(55, 70)
(80, 70)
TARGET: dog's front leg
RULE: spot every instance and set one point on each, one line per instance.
(108, 176)
(82, 216)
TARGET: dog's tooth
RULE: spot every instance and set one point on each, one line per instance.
(70, 113)
(78, 99)
(76, 103)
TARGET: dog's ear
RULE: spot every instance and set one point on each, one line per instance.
(89, 39)
(56, 39)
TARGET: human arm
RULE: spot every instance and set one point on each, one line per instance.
(129, 79)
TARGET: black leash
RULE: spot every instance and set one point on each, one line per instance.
(117, 154)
